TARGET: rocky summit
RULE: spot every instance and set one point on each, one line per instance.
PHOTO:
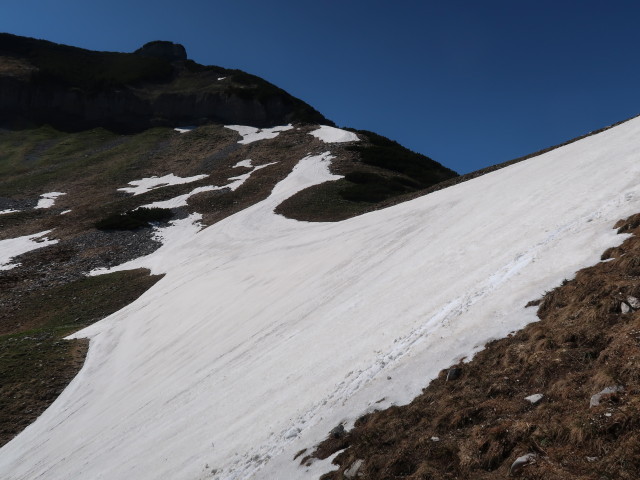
(74, 89)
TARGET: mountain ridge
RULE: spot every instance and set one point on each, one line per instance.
(75, 89)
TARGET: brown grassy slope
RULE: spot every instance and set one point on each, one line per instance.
(582, 344)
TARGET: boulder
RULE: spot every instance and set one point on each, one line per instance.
(522, 462)
(595, 399)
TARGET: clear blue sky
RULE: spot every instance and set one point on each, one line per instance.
(468, 83)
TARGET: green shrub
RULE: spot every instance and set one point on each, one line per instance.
(140, 217)
(385, 153)
(373, 188)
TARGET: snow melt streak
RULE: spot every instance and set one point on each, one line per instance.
(266, 332)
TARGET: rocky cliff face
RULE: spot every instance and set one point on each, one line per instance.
(74, 89)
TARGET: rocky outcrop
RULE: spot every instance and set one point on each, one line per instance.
(160, 49)
(130, 92)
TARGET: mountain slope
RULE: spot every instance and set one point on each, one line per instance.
(266, 332)
(75, 89)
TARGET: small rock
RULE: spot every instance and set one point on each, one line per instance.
(522, 462)
(624, 308)
(337, 432)
(535, 398)
(352, 471)
(435, 439)
(595, 399)
(453, 373)
(633, 302)
(592, 459)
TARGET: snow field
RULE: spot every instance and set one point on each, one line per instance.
(266, 332)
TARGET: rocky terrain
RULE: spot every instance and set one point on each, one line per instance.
(74, 89)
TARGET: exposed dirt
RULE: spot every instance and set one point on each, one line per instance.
(477, 423)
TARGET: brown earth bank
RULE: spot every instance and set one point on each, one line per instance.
(474, 421)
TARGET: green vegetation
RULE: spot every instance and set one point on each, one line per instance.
(31, 159)
(390, 155)
(373, 188)
(140, 217)
(404, 171)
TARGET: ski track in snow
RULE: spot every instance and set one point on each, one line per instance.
(266, 333)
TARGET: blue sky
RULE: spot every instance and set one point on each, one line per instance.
(467, 83)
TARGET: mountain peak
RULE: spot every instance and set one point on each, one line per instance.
(163, 49)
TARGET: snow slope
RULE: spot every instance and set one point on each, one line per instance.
(267, 332)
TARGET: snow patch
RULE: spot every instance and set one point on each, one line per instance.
(334, 135)
(146, 184)
(47, 200)
(184, 129)
(253, 134)
(10, 210)
(172, 237)
(181, 200)
(13, 247)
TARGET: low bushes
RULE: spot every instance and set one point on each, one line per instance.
(140, 217)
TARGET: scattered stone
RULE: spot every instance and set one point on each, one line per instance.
(352, 471)
(435, 439)
(592, 459)
(633, 302)
(338, 432)
(522, 462)
(625, 308)
(595, 399)
(535, 398)
(454, 373)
